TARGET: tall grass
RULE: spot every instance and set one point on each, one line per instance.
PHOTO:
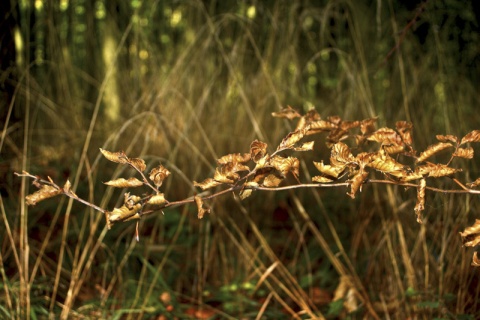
(205, 87)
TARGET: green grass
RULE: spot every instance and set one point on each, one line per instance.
(190, 90)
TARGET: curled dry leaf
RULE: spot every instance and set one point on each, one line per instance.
(45, 192)
(245, 193)
(292, 138)
(131, 200)
(285, 165)
(386, 136)
(441, 170)
(420, 206)
(475, 260)
(404, 128)
(121, 157)
(335, 119)
(474, 183)
(118, 157)
(329, 170)
(272, 180)
(287, 112)
(258, 150)
(466, 153)
(123, 214)
(473, 136)
(433, 149)
(307, 146)
(471, 235)
(341, 155)
(67, 188)
(347, 125)
(157, 199)
(386, 164)
(321, 179)
(201, 209)
(320, 126)
(235, 158)
(138, 164)
(336, 135)
(368, 125)
(447, 138)
(393, 148)
(356, 182)
(158, 175)
(123, 183)
(222, 175)
(206, 184)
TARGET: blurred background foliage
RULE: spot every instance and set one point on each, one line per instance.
(185, 82)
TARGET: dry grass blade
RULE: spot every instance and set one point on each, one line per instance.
(420, 206)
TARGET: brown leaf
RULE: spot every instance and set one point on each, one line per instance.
(336, 135)
(441, 170)
(285, 165)
(404, 128)
(67, 188)
(123, 213)
(321, 179)
(287, 112)
(118, 157)
(307, 146)
(45, 192)
(272, 180)
(368, 125)
(447, 138)
(157, 199)
(328, 169)
(347, 125)
(393, 148)
(234, 157)
(386, 136)
(475, 260)
(466, 153)
(356, 182)
(474, 184)
(228, 173)
(471, 235)
(201, 209)
(123, 183)
(245, 193)
(131, 200)
(473, 136)
(420, 206)
(409, 176)
(335, 119)
(341, 155)
(386, 164)
(206, 184)
(158, 175)
(433, 149)
(320, 126)
(258, 150)
(137, 163)
(292, 138)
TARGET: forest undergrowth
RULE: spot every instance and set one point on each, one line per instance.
(310, 213)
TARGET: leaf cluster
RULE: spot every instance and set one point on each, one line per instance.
(358, 151)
